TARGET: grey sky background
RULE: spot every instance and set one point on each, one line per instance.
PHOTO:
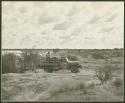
(82, 25)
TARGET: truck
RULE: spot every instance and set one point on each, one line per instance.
(55, 63)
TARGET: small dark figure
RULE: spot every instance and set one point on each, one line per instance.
(48, 55)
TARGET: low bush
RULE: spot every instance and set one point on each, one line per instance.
(65, 86)
(105, 73)
(117, 82)
(72, 57)
(98, 55)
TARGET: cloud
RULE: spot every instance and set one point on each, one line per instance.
(111, 18)
(62, 26)
(89, 38)
(108, 29)
(94, 19)
(23, 9)
(39, 4)
(7, 7)
(98, 5)
(76, 32)
(65, 39)
(71, 35)
(72, 11)
(45, 18)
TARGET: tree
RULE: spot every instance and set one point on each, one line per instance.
(9, 63)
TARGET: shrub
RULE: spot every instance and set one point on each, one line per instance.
(66, 85)
(119, 54)
(105, 73)
(98, 55)
(55, 50)
(9, 63)
(72, 57)
(117, 82)
(30, 60)
(5, 94)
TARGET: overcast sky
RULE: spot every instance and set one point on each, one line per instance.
(83, 25)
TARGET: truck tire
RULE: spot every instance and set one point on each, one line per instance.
(48, 69)
(74, 70)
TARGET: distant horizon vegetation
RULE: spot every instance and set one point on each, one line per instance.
(58, 48)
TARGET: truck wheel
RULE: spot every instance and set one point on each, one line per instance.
(74, 70)
(48, 70)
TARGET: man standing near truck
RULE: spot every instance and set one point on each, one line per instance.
(48, 56)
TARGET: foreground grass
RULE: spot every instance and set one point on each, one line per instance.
(58, 87)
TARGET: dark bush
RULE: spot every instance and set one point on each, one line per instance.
(119, 54)
(9, 63)
(117, 82)
(55, 50)
(105, 73)
(98, 55)
(29, 60)
(72, 58)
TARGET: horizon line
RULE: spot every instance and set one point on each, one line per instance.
(52, 48)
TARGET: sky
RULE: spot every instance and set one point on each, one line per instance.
(72, 25)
